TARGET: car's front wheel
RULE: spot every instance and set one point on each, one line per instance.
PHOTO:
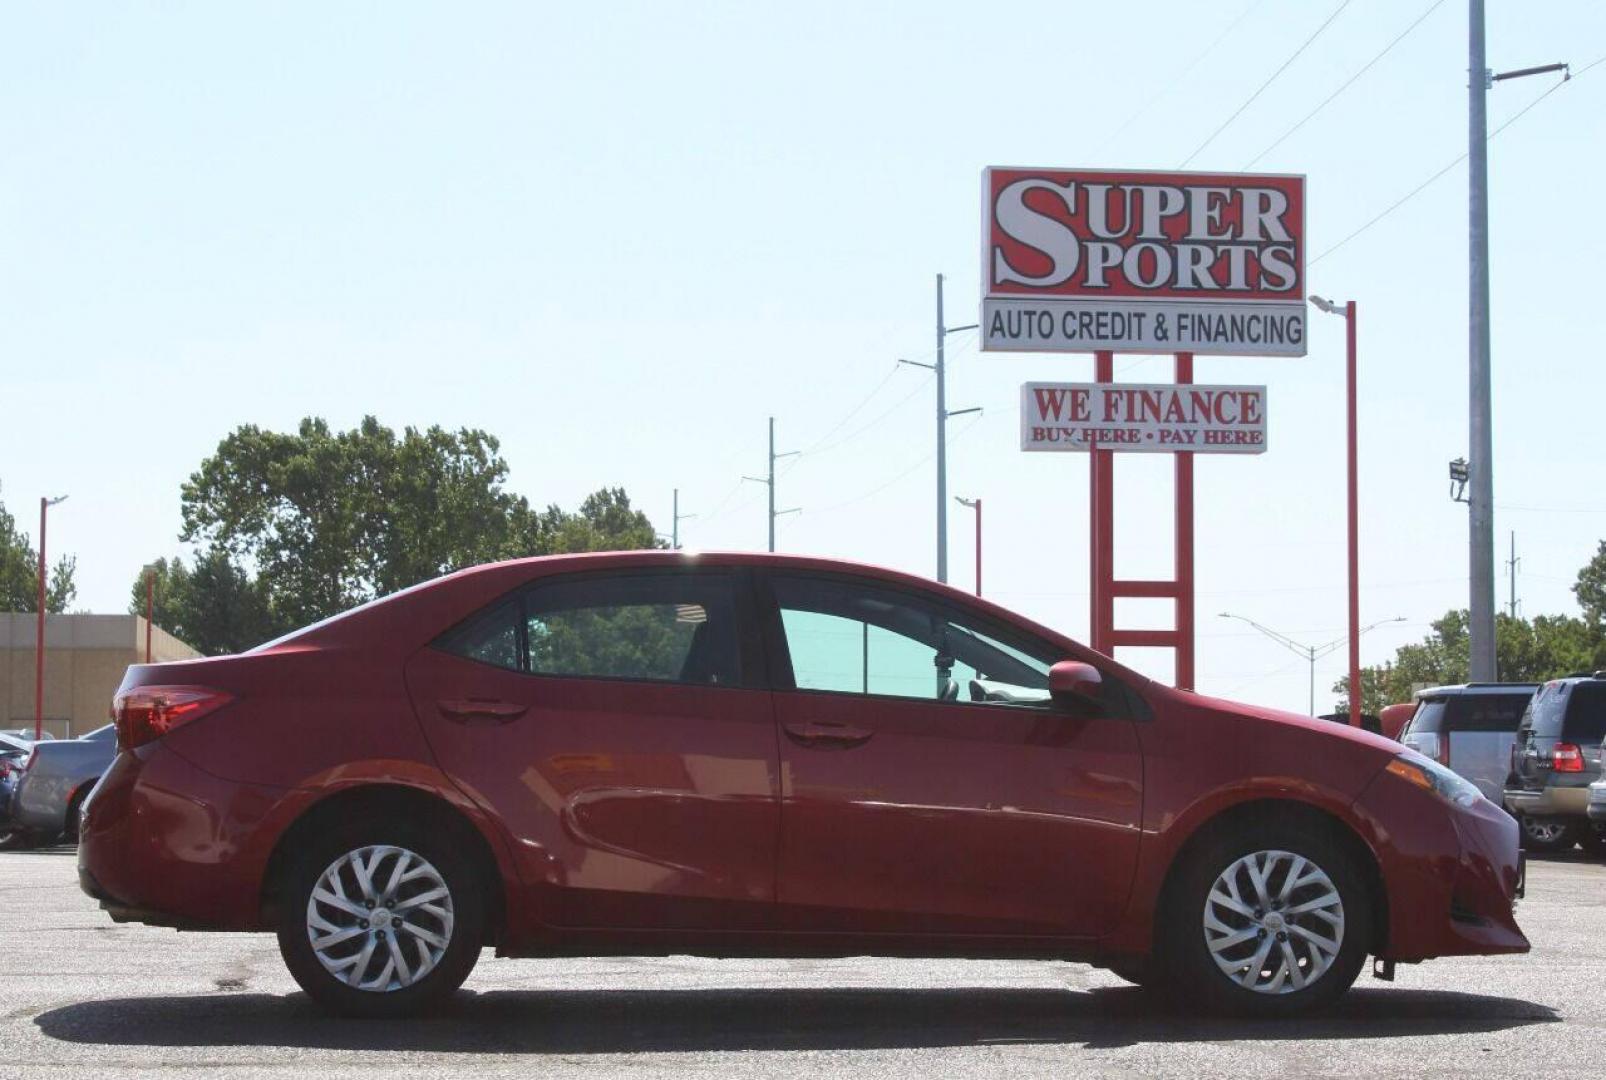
(1266, 920)
(381, 919)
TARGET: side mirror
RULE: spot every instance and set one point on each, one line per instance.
(1071, 682)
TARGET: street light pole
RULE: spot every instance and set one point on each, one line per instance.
(974, 504)
(1353, 468)
(1313, 653)
(39, 638)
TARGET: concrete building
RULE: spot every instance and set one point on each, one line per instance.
(85, 656)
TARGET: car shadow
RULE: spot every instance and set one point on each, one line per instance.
(643, 1021)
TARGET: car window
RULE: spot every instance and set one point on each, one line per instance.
(851, 638)
(102, 734)
(657, 627)
(662, 627)
(1428, 718)
(1586, 714)
(492, 638)
(1485, 712)
(1545, 714)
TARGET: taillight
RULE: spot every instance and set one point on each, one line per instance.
(1567, 757)
(146, 713)
(5, 768)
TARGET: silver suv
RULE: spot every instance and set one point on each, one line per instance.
(1471, 728)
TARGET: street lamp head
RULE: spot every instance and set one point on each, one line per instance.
(1323, 304)
(962, 501)
(57, 499)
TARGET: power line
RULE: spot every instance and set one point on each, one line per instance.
(1351, 81)
(1178, 81)
(1424, 185)
(1262, 88)
(900, 476)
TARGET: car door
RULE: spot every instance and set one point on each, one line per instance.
(618, 728)
(929, 785)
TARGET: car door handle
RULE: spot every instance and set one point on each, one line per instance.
(821, 733)
(464, 710)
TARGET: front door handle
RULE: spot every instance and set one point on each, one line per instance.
(826, 734)
(466, 710)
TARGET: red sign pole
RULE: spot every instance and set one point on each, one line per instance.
(150, 608)
(39, 643)
(1354, 527)
(1105, 585)
(1184, 549)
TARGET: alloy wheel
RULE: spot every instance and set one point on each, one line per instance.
(1543, 832)
(1274, 922)
(380, 918)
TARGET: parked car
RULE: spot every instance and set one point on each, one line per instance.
(58, 776)
(1393, 718)
(26, 734)
(13, 754)
(1556, 757)
(1470, 728)
(762, 755)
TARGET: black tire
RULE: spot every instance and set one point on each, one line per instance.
(69, 831)
(466, 934)
(1594, 839)
(1192, 975)
(1547, 836)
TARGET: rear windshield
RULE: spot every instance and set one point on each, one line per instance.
(1468, 712)
(1586, 714)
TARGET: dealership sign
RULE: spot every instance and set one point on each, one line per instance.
(1141, 417)
(1079, 261)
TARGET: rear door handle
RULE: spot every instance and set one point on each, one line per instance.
(826, 734)
(466, 710)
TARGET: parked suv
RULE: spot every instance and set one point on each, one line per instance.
(1555, 759)
(1471, 728)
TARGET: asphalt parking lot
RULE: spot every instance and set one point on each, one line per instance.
(82, 997)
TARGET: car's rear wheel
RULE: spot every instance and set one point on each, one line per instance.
(69, 832)
(1266, 920)
(1548, 834)
(1594, 838)
(381, 918)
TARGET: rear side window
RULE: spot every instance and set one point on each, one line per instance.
(1547, 711)
(654, 627)
(1428, 718)
(1586, 714)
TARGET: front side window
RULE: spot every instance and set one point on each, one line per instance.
(850, 638)
(652, 627)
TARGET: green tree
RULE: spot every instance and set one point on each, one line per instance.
(1525, 651)
(325, 520)
(19, 573)
(217, 607)
(1590, 589)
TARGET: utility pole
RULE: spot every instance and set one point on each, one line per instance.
(943, 414)
(769, 481)
(678, 517)
(1511, 567)
(1480, 502)
(1480, 453)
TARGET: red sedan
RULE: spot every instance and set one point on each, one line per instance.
(749, 755)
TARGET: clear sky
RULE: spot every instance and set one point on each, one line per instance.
(620, 236)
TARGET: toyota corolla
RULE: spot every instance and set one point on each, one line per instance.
(748, 755)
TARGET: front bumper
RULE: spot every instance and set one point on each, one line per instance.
(164, 842)
(1549, 801)
(1452, 874)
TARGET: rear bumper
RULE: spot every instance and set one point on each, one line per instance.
(1549, 801)
(1452, 874)
(166, 843)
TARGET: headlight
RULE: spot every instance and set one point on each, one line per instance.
(1429, 775)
